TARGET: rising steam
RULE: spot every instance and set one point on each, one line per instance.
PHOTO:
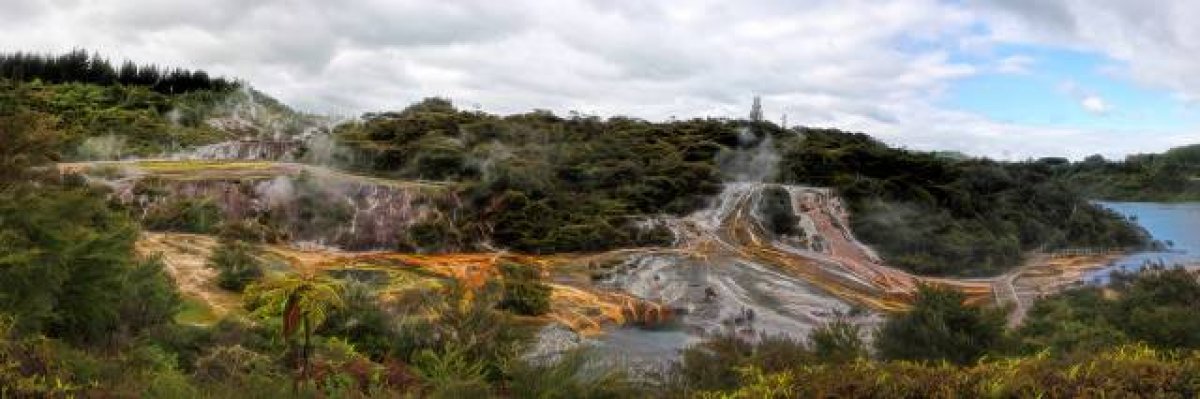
(754, 160)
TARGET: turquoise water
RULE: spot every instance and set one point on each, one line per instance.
(1177, 225)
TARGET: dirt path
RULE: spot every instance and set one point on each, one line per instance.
(1006, 292)
(1041, 275)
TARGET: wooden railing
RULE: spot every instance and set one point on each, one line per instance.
(1058, 253)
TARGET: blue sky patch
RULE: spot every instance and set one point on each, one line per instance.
(1053, 90)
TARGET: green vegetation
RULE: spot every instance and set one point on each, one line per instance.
(112, 122)
(83, 315)
(542, 183)
(66, 262)
(716, 364)
(1156, 307)
(546, 184)
(301, 303)
(79, 67)
(524, 292)
(937, 215)
(102, 112)
(1170, 176)
(777, 210)
(187, 215)
(1126, 371)
(940, 327)
(1136, 340)
(839, 341)
(237, 264)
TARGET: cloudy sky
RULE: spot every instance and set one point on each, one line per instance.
(1007, 78)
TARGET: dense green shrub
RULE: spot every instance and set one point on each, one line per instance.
(450, 373)
(1169, 176)
(1156, 307)
(251, 231)
(432, 235)
(109, 122)
(237, 264)
(941, 327)
(362, 322)
(68, 264)
(715, 363)
(186, 215)
(524, 291)
(839, 341)
(776, 206)
(1128, 371)
(575, 374)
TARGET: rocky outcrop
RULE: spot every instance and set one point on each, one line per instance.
(310, 205)
(246, 149)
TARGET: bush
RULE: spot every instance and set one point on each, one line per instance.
(940, 327)
(715, 363)
(200, 216)
(67, 259)
(432, 236)
(451, 373)
(575, 374)
(776, 207)
(524, 292)
(839, 341)
(234, 365)
(149, 298)
(362, 321)
(1154, 306)
(237, 264)
(1126, 371)
(465, 321)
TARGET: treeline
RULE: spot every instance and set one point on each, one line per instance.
(1170, 176)
(77, 66)
(935, 214)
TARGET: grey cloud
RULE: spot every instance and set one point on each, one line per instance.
(875, 66)
(1157, 40)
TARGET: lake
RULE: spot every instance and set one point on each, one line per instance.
(1176, 224)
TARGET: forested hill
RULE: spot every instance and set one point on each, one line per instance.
(538, 182)
(935, 214)
(109, 111)
(549, 183)
(1170, 176)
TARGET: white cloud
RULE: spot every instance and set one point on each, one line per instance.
(1155, 42)
(874, 66)
(1016, 64)
(1095, 105)
(1090, 101)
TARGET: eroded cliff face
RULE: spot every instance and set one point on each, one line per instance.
(308, 205)
(250, 149)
